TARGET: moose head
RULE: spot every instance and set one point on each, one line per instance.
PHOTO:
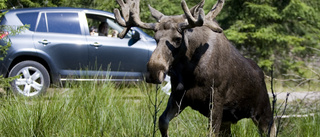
(169, 31)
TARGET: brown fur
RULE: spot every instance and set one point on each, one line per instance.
(208, 64)
(207, 72)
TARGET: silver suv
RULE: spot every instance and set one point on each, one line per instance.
(71, 44)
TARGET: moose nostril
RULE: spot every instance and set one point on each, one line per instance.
(148, 78)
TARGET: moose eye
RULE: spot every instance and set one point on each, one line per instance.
(177, 40)
(157, 40)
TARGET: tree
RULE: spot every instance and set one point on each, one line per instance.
(4, 82)
(282, 32)
(33, 3)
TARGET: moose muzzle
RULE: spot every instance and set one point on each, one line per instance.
(155, 77)
(156, 71)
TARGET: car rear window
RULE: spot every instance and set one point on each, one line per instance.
(3, 20)
(29, 18)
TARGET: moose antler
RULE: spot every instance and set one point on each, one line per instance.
(213, 14)
(215, 10)
(131, 13)
(192, 21)
(199, 14)
(131, 16)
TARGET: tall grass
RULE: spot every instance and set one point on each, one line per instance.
(114, 110)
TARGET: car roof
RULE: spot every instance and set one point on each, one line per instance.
(60, 9)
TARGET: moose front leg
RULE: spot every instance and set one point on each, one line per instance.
(173, 109)
(216, 114)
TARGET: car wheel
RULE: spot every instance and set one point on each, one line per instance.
(33, 78)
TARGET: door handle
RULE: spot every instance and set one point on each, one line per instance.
(44, 42)
(96, 44)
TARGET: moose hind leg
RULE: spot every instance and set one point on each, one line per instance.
(225, 129)
(172, 110)
(264, 124)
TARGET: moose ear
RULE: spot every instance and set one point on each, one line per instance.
(214, 27)
(155, 13)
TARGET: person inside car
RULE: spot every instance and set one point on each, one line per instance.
(103, 29)
(114, 33)
(93, 31)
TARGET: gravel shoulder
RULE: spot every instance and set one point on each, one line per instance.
(313, 95)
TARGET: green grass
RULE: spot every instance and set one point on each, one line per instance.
(121, 110)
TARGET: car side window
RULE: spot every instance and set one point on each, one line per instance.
(104, 26)
(42, 25)
(29, 18)
(63, 23)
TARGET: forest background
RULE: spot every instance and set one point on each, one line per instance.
(279, 34)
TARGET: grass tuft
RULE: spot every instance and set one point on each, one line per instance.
(121, 110)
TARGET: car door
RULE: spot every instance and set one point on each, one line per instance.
(122, 58)
(59, 38)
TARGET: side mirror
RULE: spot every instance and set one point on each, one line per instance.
(135, 37)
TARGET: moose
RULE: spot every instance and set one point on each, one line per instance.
(207, 72)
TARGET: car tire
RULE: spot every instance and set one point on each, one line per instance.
(34, 79)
